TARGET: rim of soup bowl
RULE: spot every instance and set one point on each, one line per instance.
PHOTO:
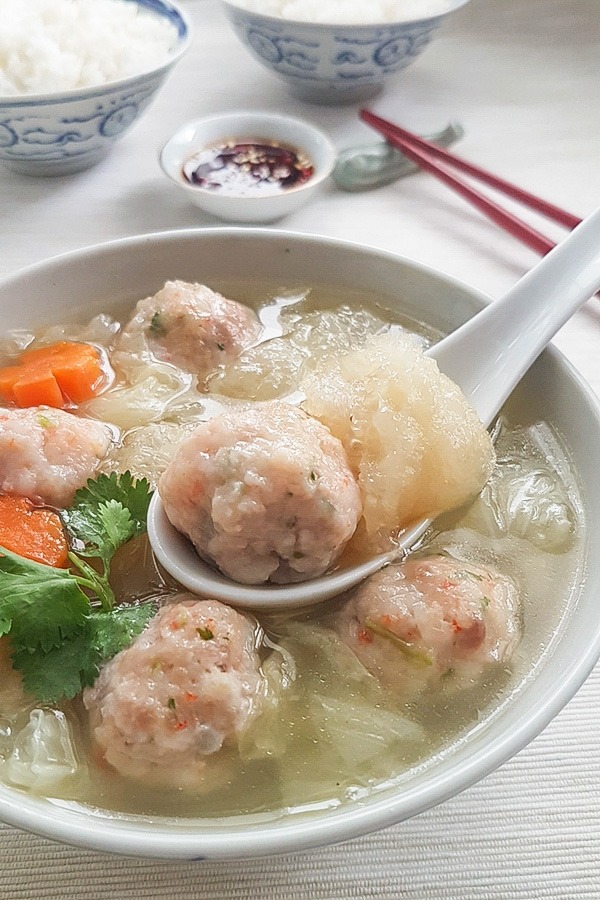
(521, 716)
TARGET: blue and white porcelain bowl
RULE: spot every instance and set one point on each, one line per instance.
(333, 63)
(64, 132)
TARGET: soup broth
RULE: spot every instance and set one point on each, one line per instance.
(335, 733)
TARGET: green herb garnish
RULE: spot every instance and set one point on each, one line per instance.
(157, 327)
(64, 624)
(205, 633)
(62, 671)
(465, 574)
(44, 422)
(39, 605)
(105, 515)
(171, 703)
(416, 656)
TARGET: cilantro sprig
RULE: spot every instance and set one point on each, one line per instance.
(63, 624)
(104, 515)
(72, 664)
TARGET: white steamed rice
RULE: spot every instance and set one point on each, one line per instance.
(48, 46)
(348, 12)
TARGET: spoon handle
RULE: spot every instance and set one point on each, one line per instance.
(488, 355)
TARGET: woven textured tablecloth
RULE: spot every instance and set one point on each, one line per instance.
(523, 76)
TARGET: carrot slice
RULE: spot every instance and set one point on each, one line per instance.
(32, 531)
(38, 389)
(56, 375)
(8, 376)
(79, 379)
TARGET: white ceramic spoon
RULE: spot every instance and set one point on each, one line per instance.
(486, 357)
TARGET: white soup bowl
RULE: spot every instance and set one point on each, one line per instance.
(107, 276)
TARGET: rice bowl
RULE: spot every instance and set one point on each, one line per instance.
(56, 132)
(56, 45)
(332, 58)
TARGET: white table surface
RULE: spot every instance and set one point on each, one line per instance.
(523, 76)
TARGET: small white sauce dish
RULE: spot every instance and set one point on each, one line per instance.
(239, 127)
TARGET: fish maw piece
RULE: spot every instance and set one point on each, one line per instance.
(415, 444)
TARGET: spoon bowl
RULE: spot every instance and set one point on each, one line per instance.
(177, 555)
(486, 357)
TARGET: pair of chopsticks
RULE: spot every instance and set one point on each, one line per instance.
(438, 162)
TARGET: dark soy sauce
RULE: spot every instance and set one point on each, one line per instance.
(248, 168)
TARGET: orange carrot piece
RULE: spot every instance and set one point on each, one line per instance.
(38, 389)
(79, 379)
(34, 532)
(8, 376)
(47, 351)
(54, 375)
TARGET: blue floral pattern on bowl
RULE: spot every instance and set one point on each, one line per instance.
(36, 135)
(388, 50)
(328, 61)
(39, 132)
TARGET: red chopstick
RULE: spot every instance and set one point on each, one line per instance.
(542, 206)
(424, 154)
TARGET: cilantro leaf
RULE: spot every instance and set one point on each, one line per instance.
(118, 524)
(59, 640)
(61, 672)
(40, 606)
(85, 529)
(102, 529)
(108, 512)
(113, 631)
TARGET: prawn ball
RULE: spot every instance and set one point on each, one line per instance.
(47, 454)
(190, 326)
(265, 493)
(432, 618)
(189, 683)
